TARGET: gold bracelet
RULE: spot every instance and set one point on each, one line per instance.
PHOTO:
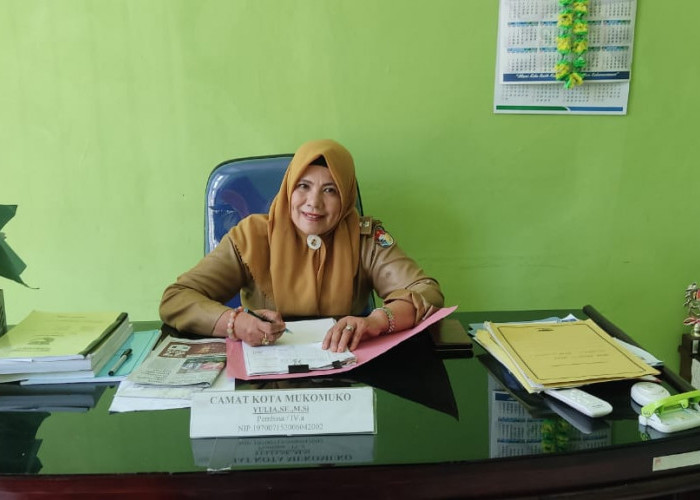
(389, 316)
(229, 325)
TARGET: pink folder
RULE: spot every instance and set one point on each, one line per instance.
(366, 351)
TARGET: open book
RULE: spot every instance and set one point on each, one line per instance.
(299, 351)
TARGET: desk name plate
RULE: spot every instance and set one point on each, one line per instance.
(283, 412)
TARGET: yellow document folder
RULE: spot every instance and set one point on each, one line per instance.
(570, 353)
(49, 336)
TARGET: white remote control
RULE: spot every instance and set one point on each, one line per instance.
(579, 400)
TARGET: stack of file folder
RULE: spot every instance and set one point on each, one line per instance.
(546, 355)
(67, 345)
(139, 343)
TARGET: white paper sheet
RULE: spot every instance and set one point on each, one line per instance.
(299, 348)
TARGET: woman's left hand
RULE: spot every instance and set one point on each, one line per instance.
(349, 331)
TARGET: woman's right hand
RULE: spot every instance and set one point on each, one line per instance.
(256, 332)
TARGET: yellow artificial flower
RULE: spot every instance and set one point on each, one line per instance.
(575, 79)
(580, 46)
(581, 7)
(563, 44)
(566, 19)
(562, 70)
(572, 42)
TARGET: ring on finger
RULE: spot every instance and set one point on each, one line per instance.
(265, 340)
(349, 328)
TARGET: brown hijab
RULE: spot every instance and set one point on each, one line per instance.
(302, 281)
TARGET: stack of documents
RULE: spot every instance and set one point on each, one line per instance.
(554, 355)
(298, 351)
(138, 346)
(48, 343)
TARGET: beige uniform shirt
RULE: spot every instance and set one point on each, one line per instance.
(196, 300)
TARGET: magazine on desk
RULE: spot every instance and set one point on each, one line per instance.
(178, 362)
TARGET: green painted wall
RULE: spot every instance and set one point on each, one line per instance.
(113, 113)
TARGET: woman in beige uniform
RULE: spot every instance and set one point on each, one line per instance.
(311, 255)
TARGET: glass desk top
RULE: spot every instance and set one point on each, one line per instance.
(465, 412)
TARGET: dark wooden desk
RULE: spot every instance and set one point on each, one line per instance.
(418, 452)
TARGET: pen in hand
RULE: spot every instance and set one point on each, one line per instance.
(125, 355)
(262, 318)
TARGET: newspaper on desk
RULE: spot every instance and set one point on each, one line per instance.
(143, 397)
(175, 370)
(182, 362)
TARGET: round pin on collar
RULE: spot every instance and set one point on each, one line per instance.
(313, 241)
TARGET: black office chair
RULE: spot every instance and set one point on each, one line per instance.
(238, 188)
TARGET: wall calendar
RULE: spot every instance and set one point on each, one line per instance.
(564, 56)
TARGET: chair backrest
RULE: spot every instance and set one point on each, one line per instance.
(238, 188)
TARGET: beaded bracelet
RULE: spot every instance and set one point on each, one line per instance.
(232, 318)
(389, 316)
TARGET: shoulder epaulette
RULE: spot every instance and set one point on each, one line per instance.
(366, 225)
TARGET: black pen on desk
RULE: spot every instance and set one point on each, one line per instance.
(262, 318)
(125, 355)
